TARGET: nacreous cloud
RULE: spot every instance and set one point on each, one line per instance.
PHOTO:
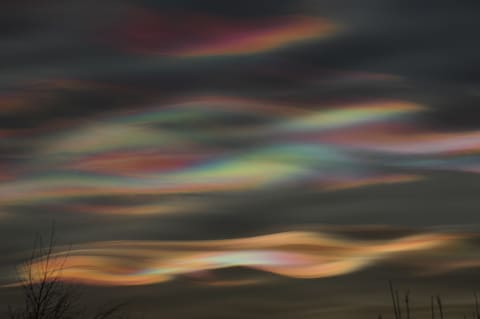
(291, 254)
(194, 35)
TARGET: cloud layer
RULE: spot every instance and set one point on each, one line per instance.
(291, 254)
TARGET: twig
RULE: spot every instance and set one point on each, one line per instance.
(393, 300)
(440, 308)
(407, 303)
(432, 309)
(477, 315)
(399, 309)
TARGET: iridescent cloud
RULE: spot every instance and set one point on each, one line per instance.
(166, 206)
(203, 35)
(410, 141)
(290, 254)
(374, 180)
(183, 147)
(137, 162)
(346, 116)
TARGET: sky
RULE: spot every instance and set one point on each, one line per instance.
(244, 159)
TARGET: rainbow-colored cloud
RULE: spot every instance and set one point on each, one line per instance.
(195, 35)
(290, 254)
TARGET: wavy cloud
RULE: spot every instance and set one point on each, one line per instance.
(204, 35)
(182, 147)
(290, 254)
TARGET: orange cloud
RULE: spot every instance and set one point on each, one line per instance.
(290, 254)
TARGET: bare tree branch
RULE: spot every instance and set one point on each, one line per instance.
(45, 294)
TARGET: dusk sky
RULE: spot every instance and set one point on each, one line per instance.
(244, 159)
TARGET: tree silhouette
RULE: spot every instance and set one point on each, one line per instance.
(45, 295)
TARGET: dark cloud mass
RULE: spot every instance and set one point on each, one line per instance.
(224, 159)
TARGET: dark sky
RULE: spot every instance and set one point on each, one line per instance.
(244, 159)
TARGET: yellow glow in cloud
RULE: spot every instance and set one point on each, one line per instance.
(290, 254)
